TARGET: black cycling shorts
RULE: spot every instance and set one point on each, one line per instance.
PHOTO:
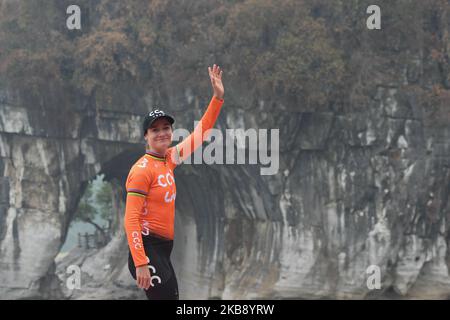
(163, 278)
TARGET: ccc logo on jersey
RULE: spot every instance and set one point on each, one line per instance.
(136, 240)
(143, 164)
(165, 181)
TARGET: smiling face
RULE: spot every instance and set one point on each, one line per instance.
(159, 135)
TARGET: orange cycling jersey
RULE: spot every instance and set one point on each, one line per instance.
(151, 190)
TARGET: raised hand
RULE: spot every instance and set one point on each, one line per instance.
(215, 74)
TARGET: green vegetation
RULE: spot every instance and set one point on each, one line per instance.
(95, 206)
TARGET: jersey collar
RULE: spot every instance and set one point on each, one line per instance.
(155, 156)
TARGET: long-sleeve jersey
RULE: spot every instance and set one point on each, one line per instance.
(151, 190)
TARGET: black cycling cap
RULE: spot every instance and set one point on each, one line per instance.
(154, 115)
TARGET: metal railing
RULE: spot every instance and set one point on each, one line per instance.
(94, 240)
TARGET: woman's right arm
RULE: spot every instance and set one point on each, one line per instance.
(133, 229)
(137, 183)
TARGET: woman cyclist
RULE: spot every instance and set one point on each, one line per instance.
(150, 204)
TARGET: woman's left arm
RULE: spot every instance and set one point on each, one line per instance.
(196, 138)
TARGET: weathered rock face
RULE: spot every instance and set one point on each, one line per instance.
(353, 190)
(359, 185)
(46, 164)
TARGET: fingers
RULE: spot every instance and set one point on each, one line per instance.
(147, 283)
(138, 282)
(215, 71)
(211, 71)
(212, 77)
(143, 282)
